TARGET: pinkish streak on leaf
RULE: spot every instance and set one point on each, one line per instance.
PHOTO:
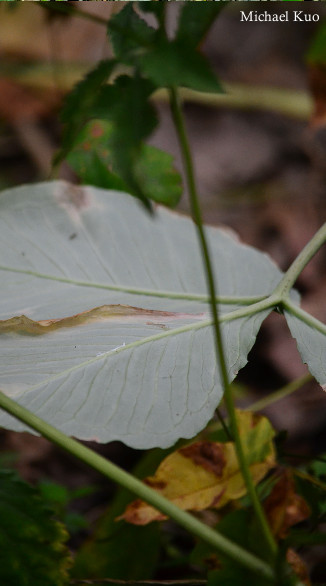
(120, 313)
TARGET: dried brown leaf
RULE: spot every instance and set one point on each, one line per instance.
(284, 507)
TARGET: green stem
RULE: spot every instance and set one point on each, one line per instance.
(280, 393)
(300, 262)
(197, 217)
(248, 97)
(143, 491)
(304, 316)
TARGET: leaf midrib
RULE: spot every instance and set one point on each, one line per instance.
(226, 300)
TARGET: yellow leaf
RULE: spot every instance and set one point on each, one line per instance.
(206, 474)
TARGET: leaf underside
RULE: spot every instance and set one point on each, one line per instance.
(133, 357)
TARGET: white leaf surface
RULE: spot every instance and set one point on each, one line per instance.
(144, 378)
(311, 343)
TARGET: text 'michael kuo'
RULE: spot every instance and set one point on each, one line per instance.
(286, 16)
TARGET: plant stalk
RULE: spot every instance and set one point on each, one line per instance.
(197, 217)
(275, 396)
(113, 472)
(283, 288)
(286, 102)
(304, 316)
(280, 394)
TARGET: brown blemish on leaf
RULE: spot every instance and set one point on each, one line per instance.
(208, 455)
(284, 507)
(212, 562)
(96, 130)
(103, 313)
(86, 146)
(216, 500)
(157, 484)
(255, 420)
(72, 195)
(152, 323)
(137, 513)
(73, 199)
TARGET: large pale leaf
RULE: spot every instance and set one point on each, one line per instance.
(144, 372)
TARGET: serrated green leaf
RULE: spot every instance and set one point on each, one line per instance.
(134, 357)
(157, 8)
(76, 108)
(125, 104)
(167, 63)
(91, 156)
(129, 34)
(195, 21)
(93, 161)
(157, 177)
(91, 170)
(173, 64)
(32, 543)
